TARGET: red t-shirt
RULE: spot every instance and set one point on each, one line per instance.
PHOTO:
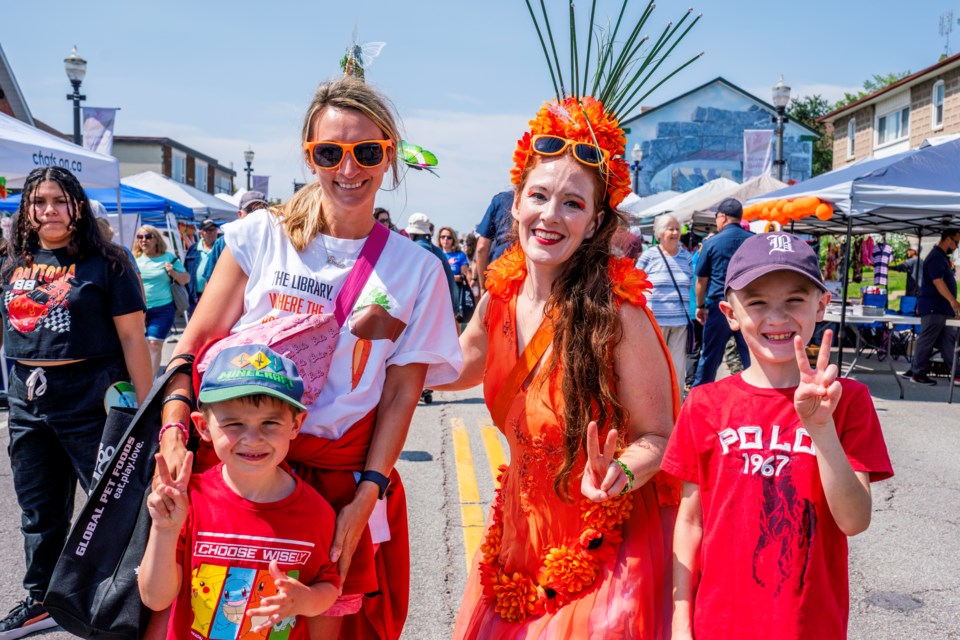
(225, 551)
(773, 561)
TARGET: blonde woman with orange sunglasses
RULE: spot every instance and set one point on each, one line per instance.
(294, 259)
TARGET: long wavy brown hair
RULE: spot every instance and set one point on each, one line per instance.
(586, 330)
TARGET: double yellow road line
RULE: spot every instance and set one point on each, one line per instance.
(471, 508)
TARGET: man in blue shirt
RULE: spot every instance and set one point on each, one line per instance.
(711, 276)
(936, 304)
(493, 232)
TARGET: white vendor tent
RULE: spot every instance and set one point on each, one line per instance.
(634, 204)
(689, 202)
(705, 214)
(24, 148)
(203, 204)
(234, 199)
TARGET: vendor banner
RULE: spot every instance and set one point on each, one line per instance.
(757, 153)
(98, 129)
(262, 184)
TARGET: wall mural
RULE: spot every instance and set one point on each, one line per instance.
(699, 138)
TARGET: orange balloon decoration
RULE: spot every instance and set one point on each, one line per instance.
(824, 211)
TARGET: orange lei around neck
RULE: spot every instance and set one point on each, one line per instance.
(505, 275)
(567, 572)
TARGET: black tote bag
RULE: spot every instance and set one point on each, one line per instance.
(93, 591)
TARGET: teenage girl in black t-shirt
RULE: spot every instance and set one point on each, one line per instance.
(73, 312)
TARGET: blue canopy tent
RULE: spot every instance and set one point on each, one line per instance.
(915, 191)
(151, 208)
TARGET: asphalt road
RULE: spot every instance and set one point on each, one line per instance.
(904, 571)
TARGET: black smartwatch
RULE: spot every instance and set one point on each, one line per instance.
(376, 478)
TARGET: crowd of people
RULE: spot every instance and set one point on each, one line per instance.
(626, 510)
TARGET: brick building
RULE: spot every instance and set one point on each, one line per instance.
(174, 160)
(900, 117)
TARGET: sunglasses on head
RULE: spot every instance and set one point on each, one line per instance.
(588, 154)
(144, 236)
(330, 155)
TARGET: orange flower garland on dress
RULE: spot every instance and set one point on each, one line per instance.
(569, 119)
(567, 572)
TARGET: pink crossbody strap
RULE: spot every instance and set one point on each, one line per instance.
(360, 272)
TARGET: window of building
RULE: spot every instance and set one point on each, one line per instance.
(937, 104)
(223, 184)
(893, 126)
(200, 175)
(179, 169)
(851, 137)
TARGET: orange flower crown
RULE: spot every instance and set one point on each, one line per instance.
(580, 120)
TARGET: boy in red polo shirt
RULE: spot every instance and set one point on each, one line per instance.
(777, 463)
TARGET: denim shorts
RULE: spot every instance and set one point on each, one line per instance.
(160, 321)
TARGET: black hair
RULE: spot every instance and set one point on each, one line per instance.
(948, 233)
(86, 238)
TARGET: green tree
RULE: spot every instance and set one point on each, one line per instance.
(871, 85)
(806, 110)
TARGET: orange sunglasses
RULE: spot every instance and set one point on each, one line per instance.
(329, 155)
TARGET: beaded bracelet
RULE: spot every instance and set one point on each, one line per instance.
(626, 470)
(178, 425)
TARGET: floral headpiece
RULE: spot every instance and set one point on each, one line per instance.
(589, 102)
(586, 121)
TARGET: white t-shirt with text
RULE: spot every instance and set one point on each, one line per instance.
(403, 314)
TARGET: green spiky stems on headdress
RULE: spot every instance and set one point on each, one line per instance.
(623, 69)
(589, 109)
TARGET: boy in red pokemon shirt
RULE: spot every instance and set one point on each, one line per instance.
(241, 550)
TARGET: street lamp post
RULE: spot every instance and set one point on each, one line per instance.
(76, 68)
(781, 98)
(248, 158)
(637, 155)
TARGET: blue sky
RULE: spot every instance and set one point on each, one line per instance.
(465, 76)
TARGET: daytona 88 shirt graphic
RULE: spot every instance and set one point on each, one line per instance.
(45, 301)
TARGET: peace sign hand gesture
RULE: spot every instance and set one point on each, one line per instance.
(819, 390)
(168, 502)
(602, 477)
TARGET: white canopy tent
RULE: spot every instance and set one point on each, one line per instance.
(633, 204)
(203, 204)
(234, 199)
(690, 201)
(705, 213)
(24, 148)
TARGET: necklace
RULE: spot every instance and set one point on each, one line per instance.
(331, 259)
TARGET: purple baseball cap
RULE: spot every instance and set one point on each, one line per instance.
(768, 252)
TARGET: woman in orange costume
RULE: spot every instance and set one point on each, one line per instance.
(578, 541)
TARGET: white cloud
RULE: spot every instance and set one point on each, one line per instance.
(475, 155)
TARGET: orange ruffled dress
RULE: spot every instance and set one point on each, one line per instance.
(554, 569)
